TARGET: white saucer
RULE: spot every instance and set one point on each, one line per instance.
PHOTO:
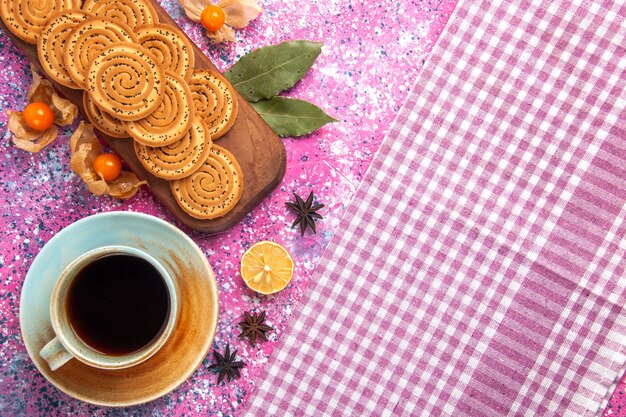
(184, 350)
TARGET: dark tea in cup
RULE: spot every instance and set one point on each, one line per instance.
(113, 307)
(118, 304)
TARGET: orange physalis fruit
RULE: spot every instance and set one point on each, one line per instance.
(212, 18)
(108, 166)
(38, 116)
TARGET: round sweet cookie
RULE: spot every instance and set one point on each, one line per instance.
(179, 159)
(170, 120)
(27, 19)
(215, 101)
(86, 42)
(125, 81)
(103, 121)
(133, 13)
(170, 47)
(214, 189)
(51, 44)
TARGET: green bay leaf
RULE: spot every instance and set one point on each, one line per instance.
(267, 71)
(292, 117)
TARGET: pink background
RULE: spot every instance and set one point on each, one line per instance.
(372, 53)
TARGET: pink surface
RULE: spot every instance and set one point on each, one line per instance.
(372, 53)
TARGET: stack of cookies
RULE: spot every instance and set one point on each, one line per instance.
(140, 83)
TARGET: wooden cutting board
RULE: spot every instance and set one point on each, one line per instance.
(260, 153)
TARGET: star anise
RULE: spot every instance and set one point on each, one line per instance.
(226, 365)
(253, 327)
(306, 212)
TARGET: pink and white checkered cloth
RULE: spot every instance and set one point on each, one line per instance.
(479, 270)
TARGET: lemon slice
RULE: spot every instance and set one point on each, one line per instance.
(266, 267)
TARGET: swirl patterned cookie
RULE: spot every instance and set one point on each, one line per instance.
(26, 19)
(170, 120)
(215, 101)
(126, 82)
(51, 44)
(86, 42)
(171, 48)
(103, 121)
(179, 159)
(214, 189)
(133, 13)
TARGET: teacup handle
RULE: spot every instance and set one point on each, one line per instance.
(55, 354)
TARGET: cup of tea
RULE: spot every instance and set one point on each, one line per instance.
(111, 308)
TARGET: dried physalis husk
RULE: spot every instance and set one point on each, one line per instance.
(26, 138)
(64, 114)
(85, 148)
(237, 15)
(223, 34)
(193, 8)
(65, 111)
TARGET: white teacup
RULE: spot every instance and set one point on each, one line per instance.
(69, 343)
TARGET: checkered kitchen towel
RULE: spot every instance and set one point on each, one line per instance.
(480, 269)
